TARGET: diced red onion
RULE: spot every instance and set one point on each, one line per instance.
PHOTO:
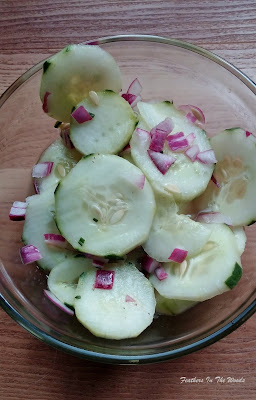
(64, 134)
(45, 102)
(135, 87)
(161, 161)
(178, 255)
(134, 103)
(149, 264)
(140, 182)
(130, 98)
(29, 254)
(55, 240)
(81, 115)
(206, 157)
(126, 149)
(214, 180)
(20, 204)
(158, 139)
(178, 145)
(17, 214)
(160, 273)
(175, 136)
(143, 134)
(129, 299)
(192, 152)
(213, 218)
(98, 263)
(42, 170)
(193, 113)
(165, 125)
(247, 133)
(104, 279)
(190, 138)
(50, 296)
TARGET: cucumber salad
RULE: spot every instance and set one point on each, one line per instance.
(137, 211)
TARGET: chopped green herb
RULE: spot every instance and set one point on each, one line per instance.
(46, 66)
(88, 155)
(81, 241)
(92, 115)
(168, 102)
(113, 257)
(78, 297)
(73, 109)
(57, 124)
(235, 277)
(95, 220)
(79, 255)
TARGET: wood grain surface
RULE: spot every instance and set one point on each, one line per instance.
(32, 30)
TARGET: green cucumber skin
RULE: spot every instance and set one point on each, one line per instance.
(251, 223)
(232, 281)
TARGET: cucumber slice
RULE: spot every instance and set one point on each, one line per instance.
(40, 220)
(212, 272)
(110, 129)
(63, 158)
(63, 278)
(171, 230)
(240, 238)
(70, 74)
(172, 306)
(100, 209)
(236, 174)
(191, 178)
(106, 313)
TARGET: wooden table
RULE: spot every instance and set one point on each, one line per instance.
(29, 32)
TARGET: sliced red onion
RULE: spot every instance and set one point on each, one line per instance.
(158, 139)
(98, 263)
(192, 152)
(20, 204)
(50, 296)
(140, 182)
(134, 103)
(143, 134)
(64, 134)
(129, 299)
(104, 279)
(81, 115)
(161, 161)
(214, 180)
(126, 149)
(206, 157)
(135, 87)
(193, 113)
(149, 264)
(17, 214)
(178, 255)
(130, 98)
(42, 170)
(29, 254)
(45, 102)
(213, 218)
(55, 240)
(175, 136)
(190, 138)
(160, 273)
(96, 258)
(178, 145)
(166, 126)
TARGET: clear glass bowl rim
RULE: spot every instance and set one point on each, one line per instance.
(150, 358)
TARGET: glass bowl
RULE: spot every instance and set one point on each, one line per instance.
(168, 69)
